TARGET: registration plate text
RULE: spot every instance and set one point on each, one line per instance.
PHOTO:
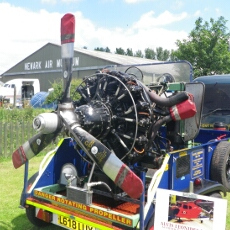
(73, 224)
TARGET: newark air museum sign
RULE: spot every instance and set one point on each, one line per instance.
(47, 64)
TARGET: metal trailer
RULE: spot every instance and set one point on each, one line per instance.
(71, 192)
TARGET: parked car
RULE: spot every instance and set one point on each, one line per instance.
(216, 107)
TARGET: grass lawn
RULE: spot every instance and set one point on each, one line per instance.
(11, 183)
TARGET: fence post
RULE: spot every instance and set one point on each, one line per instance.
(14, 134)
(1, 140)
(17, 127)
(11, 135)
(5, 139)
(22, 129)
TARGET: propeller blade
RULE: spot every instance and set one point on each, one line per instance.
(31, 148)
(109, 163)
(67, 52)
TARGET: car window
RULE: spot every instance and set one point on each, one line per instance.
(217, 96)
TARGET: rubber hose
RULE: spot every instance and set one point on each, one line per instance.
(154, 129)
(168, 101)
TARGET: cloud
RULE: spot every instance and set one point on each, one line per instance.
(141, 39)
(148, 20)
(197, 13)
(31, 30)
(134, 1)
(107, 1)
(52, 2)
(148, 31)
(25, 32)
(70, 1)
(218, 11)
(137, 1)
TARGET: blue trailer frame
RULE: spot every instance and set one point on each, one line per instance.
(186, 169)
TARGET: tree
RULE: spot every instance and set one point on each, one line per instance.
(161, 54)
(206, 48)
(56, 94)
(150, 54)
(138, 53)
(120, 51)
(107, 50)
(99, 49)
(172, 56)
(129, 52)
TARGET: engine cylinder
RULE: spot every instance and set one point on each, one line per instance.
(46, 123)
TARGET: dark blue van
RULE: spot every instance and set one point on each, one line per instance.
(216, 106)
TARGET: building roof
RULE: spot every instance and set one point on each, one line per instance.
(116, 58)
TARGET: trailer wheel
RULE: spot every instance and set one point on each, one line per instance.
(29, 183)
(215, 195)
(220, 164)
(32, 179)
(30, 213)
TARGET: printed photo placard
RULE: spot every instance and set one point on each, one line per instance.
(188, 211)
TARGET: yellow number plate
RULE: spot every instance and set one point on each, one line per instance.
(73, 224)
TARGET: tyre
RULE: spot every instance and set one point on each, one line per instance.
(220, 164)
(29, 183)
(215, 195)
(32, 179)
(150, 225)
(30, 213)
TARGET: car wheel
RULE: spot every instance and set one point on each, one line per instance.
(220, 164)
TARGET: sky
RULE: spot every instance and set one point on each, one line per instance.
(28, 25)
